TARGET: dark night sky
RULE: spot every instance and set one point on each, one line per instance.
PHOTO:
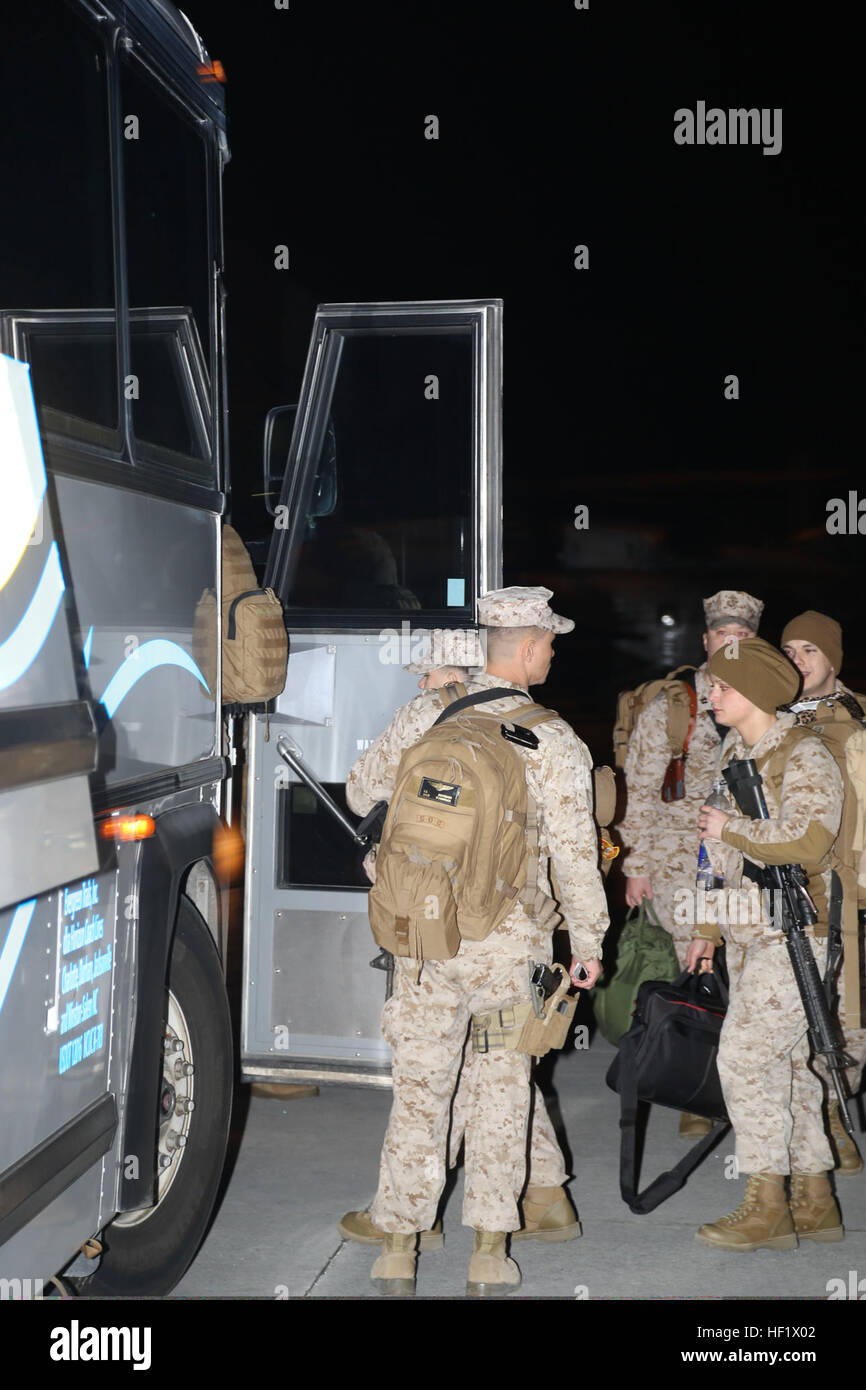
(556, 128)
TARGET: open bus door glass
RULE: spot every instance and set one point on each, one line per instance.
(388, 524)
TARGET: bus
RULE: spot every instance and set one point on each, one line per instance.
(119, 763)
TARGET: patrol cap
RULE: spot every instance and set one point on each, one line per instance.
(823, 632)
(757, 670)
(521, 607)
(733, 606)
(448, 646)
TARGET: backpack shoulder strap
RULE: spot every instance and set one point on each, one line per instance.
(682, 703)
(784, 749)
(465, 701)
(535, 715)
(449, 694)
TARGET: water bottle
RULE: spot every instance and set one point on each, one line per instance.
(705, 877)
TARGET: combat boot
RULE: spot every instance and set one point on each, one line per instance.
(491, 1273)
(694, 1126)
(813, 1207)
(761, 1221)
(547, 1215)
(847, 1153)
(359, 1226)
(394, 1271)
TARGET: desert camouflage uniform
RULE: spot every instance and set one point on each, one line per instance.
(546, 1166)
(855, 1038)
(773, 1098)
(426, 1023)
(661, 837)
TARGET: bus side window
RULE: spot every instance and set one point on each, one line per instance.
(57, 303)
(168, 268)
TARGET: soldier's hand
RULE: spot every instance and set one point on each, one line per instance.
(697, 950)
(591, 969)
(711, 821)
(636, 889)
(369, 863)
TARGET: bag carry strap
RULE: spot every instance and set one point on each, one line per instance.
(481, 698)
(693, 982)
(644, 913)
(667, 1183)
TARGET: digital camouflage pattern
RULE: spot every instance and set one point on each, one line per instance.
(558, 778)
(521, 606)
(546, 1167)
(448, 646)
(426, 1025)
(733, 606)
(427, 1019)
(855, 1038)
(661, 837)
(773, 1098)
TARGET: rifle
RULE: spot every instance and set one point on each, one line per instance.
(793, 911)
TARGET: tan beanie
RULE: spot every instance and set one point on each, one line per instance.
(757, 670)
(825, 633)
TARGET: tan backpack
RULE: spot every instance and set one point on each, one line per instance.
(844, 737)
(255, 644)
(460, 842)
(632, 703)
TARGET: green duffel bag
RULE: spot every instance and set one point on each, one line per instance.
(645, 951)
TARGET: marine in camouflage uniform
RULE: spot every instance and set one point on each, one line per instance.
(660, 837)
(813, 641)
(449, 656)
(773, 1098)
(427, 1018)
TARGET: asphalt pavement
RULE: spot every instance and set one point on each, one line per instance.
(297, 1165)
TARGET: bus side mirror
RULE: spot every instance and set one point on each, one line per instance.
(279, 424)
(279, 427)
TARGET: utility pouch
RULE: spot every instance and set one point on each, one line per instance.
(500, 1028)
(674, 784)
(412, 908)
(547, 1026)
(535, 1028)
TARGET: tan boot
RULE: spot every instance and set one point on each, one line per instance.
(547, 1215)
(491, 1273)
(394, 1271)
(847, 1153)
(761, 1221)
(358, 1226)
(813, 1207)
(694, 1126)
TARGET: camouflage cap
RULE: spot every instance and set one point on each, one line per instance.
(448, 646)
(733, 606)
(521, 607)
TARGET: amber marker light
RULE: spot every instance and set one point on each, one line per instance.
(127, 828)
(228, 853)
(212, 72)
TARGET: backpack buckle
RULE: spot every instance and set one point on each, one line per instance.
(516, 733)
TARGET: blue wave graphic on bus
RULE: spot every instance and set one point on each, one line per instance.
(12, 945)
(146, 658)
(22, 647)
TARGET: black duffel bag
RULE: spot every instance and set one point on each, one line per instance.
(668, 1057)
